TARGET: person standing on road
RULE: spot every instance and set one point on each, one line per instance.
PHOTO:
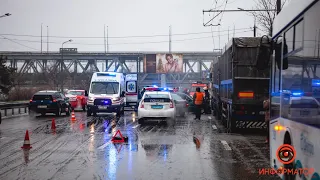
(198, 102)
(266, 106)
(185, 91)
(207, 101)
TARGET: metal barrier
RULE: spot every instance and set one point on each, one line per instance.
(13, 109)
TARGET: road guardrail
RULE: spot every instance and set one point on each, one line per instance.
(10, 109)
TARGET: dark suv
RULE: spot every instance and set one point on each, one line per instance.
(50, 102)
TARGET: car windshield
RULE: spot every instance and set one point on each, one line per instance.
(77, 93)
(275, 100)
(104, 88)
(304, 103)
(157, 96)
(42, 97)
(176, 97)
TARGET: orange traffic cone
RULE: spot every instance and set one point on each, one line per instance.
(53, 124)
(73, 116)
(26, 144)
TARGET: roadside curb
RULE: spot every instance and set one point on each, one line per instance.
(14, 116)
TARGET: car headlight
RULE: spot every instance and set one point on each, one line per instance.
(91, 98)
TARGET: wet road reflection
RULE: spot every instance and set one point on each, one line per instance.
(82, 149)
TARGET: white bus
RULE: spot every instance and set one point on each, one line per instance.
(295, 91)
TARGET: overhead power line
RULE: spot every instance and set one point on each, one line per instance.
(150, 42)
(14, 41)
(96, 37)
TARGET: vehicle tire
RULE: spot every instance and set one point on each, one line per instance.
(58, 112)
(43, 114)
(84, 108)
(141, 121)
(230, 125)
(89, 112)
(68, 113)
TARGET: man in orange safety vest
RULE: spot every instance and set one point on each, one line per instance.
(198, 102)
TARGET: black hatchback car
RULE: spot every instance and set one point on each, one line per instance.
(50, 102)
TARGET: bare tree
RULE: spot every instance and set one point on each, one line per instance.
(55, 78)
(265, 18)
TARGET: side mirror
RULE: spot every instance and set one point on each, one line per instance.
(86, 93)
(278, 55)
(123, 94)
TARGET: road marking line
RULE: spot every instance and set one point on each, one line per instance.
(135, 126)
(214, 127)
(226, 145)
(104, 145)
(151, 129)
(144, 128)
(209, 118)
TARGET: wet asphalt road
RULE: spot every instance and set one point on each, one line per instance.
(82, 150)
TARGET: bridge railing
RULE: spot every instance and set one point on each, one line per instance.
(13, 109)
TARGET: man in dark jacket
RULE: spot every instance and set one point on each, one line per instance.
(206, 100)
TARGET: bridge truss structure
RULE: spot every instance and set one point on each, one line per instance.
(33, 67)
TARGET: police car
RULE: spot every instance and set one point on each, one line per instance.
(157, 104)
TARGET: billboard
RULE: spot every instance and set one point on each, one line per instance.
(163, 63)
(149, 63)
(169, 63)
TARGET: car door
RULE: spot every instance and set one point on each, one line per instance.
(64, 102)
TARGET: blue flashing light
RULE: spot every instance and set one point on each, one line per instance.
(297, 94)
(155, 86)
(315, 82)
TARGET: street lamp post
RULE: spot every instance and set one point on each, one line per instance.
(61, 63)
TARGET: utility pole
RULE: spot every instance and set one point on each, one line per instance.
(107, 39)
(47, 39)
(169, 39)
(254, 28)
(104, 39)
(41, 38)
(228, 33)
(219, 35)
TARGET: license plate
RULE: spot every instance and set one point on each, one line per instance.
(132, 103)
(103, 107)
(42, 106)
(304, 113)
(261, 112)
(156, 106)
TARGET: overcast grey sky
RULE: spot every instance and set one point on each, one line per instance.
(83, 18)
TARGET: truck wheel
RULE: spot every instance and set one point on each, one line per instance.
(89, 112)
(58, 112)
(68, 112)
(141, 121)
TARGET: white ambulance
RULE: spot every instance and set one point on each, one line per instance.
(106, 93)
(131, 90)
